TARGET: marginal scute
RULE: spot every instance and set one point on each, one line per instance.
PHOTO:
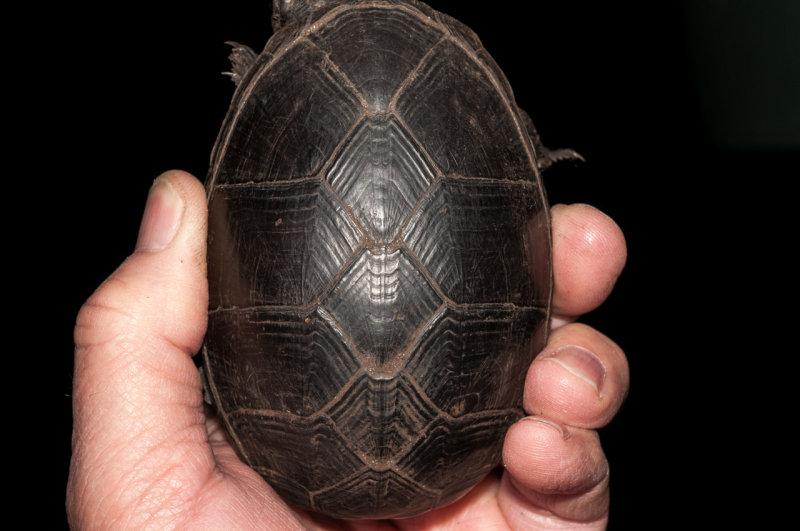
(439, 454)
(459, 31)
(367, 492)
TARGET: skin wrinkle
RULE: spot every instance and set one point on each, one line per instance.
(107, 497)
(569, 483)
(189, 350)
(93, 417)
(85, 323)
(130, 365)
(216, 477)
(143, 435)
(130, 320)
(562, 473)
(137, 504)
(247, 493)
(91, 307)
(151, 480)
(558, 395)
(189, 435)
(519, 507)
(537, 509)
(175, 440)
(562, 429)
(165, 496)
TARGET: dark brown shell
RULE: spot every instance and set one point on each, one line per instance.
(379, 261)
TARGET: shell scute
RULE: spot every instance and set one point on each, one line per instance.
(290, 119)
(468, 347)
(285, 220)
(268, 345)
(381, 174)
(367, 47)
(310, 456)
(455, 234)
(453, 106)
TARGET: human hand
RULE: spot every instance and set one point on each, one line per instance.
(145, 454)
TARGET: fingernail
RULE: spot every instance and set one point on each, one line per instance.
(561, 429)
(162, 216)
(581, 362)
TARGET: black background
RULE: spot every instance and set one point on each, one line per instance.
(112, 96)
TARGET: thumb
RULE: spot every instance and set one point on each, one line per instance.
(136, 388)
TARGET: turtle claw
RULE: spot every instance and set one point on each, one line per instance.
(549, 157)
(242, 57)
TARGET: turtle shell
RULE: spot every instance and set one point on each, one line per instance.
(378, 261)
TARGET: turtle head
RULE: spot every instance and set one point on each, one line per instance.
(284, 11)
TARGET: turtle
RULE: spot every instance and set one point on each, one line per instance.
(379, 258)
